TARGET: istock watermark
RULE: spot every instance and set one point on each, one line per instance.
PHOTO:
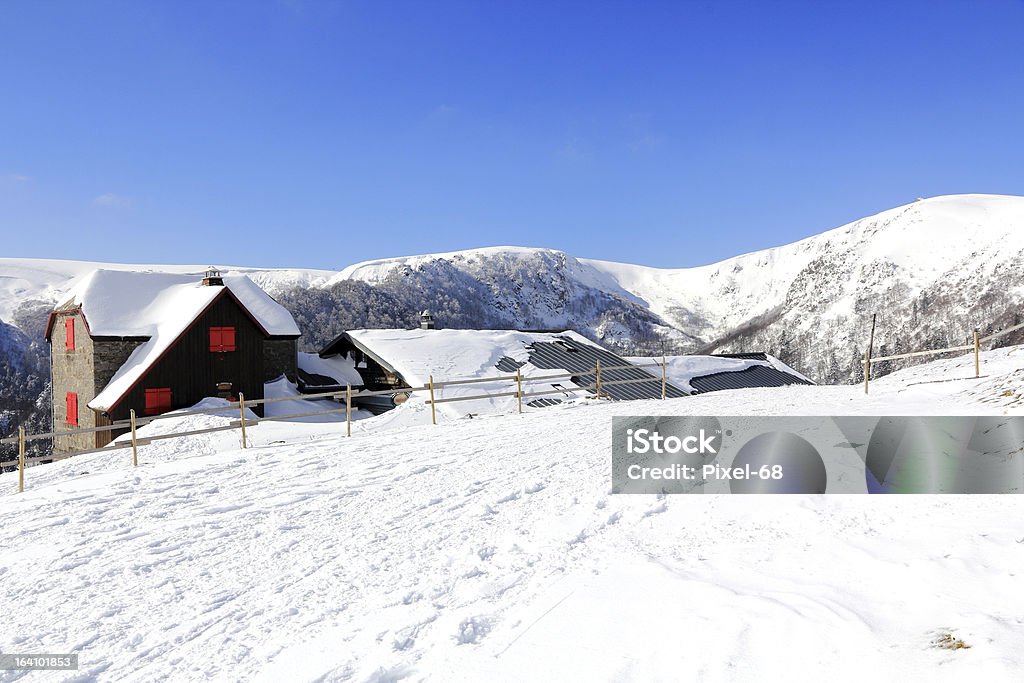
(773, 454)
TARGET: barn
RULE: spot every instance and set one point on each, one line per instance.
(155, 342)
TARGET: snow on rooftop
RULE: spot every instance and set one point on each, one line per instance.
(341, 370)
(161, 307)
(120, 303)
(680, 370)
(464, 354)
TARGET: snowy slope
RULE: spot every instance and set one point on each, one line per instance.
(918, 244)
(933, 269)
(490, 549)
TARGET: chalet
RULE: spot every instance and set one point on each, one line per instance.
(156, 342)
(394, 361)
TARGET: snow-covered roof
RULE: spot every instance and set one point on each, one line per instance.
(417, 355)
(132, 304)
(342, 371)
(686, 371)
(160, 307)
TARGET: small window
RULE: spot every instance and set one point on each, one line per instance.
(69, 334)
(72, 409)
(222, 339)
(158, 401)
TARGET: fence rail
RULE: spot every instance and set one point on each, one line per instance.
(346, 396)
(975, 346)
(431, 387)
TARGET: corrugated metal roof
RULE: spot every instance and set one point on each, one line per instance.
(751, 355)
(755, 376)
(565, 353)
(507, 364)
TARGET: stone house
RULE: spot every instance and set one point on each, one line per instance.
(156, 342)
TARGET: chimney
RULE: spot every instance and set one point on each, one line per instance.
(212, 278)
(426, 321)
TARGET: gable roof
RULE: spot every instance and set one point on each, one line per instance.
(119, 303)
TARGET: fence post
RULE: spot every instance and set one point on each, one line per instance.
(21, 459)
(867, 354)
(348, 409)
(977, 349)
(519, 389)
(135, 445)
(598, 380)
(664, 373)
(241, 409)
(433, 413)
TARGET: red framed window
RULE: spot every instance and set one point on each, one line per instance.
(72, 409)
(69, 334)
(158, 401)
(222, 339)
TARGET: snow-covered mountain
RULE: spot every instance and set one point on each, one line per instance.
(932, 270)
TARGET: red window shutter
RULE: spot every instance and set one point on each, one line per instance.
(69, 333)
(158, 401)
(222, 339)
(72, 409)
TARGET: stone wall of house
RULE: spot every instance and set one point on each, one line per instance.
(280, 357)
(85, 371)
(72, 371)
(109, 356)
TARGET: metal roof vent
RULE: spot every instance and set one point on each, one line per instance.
(426, 321)
(212, 278)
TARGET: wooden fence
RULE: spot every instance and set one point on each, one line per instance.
(975, 346)
(133, 423)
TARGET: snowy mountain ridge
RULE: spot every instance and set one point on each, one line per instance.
(932, 269)
(917, 244)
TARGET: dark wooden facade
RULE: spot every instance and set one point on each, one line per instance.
(193, 372)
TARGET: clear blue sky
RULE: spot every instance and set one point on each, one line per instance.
(317, 134)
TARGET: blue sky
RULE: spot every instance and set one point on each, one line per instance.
(320, 134)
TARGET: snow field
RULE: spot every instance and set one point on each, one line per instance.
(491, 549)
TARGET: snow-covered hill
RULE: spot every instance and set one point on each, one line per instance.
(490, 549)
(912, 247)
(932, 270)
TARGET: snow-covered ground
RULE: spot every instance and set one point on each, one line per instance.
(491, 549)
